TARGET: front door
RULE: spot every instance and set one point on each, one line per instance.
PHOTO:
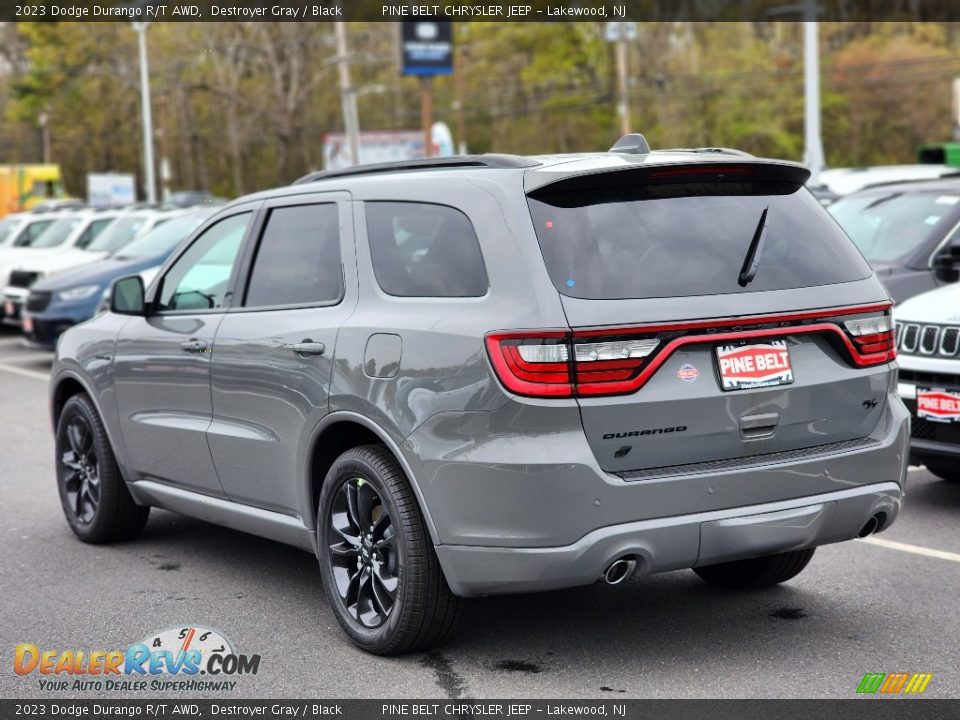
(162, 362)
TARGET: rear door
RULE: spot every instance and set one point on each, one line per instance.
(274, 353)
(680, 358)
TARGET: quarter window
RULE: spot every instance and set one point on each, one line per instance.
(424, 250)
(298, 260)
(199, 278)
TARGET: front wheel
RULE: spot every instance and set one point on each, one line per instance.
(756, 572)
(94, 496)
(379, 569)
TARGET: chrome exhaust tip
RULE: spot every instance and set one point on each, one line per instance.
(619, 570)
(871, 526)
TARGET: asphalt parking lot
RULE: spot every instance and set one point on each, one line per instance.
(867, 606)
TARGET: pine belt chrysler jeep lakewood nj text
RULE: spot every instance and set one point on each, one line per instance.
(498, 374)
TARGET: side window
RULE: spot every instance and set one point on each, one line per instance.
(424, 250)
(198, 279)
(298, 259)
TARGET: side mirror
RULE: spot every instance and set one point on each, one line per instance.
(946, 264)
(126, 298)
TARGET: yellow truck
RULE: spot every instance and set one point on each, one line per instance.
(23, 186)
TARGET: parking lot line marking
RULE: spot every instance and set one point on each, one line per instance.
(33, 357)
(25, 373)
(915, 549)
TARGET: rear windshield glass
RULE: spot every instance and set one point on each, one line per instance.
(887, 226)
(682, 239)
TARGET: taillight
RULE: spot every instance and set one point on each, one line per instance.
(874, 341)
(534, 364)
(610, 367)
(608, 361)
(558, 364)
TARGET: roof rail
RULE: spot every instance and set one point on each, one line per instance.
(712, 151)
(489, 160)
(634, 144)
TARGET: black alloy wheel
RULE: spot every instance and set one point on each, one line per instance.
(363, 552)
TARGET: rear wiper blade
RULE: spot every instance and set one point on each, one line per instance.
(751, 262)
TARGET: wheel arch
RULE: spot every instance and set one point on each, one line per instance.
(334, 435)
(67, 385)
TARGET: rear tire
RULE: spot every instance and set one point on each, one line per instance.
(758, 572)
(94, 496)
(379, 568)
(944, 470)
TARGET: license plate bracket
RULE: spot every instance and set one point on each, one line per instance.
(754, 365)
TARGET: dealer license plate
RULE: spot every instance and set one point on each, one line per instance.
(938, 405)
(752, 366)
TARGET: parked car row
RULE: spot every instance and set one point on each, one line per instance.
(57, 267)
(909, 231)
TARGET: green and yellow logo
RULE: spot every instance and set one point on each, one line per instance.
(893, 683)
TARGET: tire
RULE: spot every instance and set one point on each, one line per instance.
(97, 505)
(758, 572)
(379, 569)
(944, 470)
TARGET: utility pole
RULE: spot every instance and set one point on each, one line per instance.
(148, 171)
(458, 69)
(426, 113)
(348, 99)
(623, 108)
(619, 33)
(44, 121)
(812, 141)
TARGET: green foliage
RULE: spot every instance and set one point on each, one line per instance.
(243, 106)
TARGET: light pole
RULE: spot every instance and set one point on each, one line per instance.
(148, 172)
(812, 141)
(44, 120)
(813, 156)
(348, 99)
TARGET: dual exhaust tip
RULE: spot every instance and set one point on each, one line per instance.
(623, 568)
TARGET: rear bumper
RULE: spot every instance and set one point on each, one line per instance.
(516, 515)
(672, 543)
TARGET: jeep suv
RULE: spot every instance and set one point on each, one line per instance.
(497, 374)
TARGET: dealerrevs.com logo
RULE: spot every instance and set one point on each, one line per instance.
(191, 659)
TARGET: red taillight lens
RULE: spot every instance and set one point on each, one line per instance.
(592, 362)
(558, 364)
(874, 341)
(532, 364)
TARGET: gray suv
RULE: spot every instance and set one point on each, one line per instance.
(497, 374)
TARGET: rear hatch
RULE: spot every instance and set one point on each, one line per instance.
(717, 312)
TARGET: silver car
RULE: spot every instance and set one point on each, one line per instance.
(496, 374)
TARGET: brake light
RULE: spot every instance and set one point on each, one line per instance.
(616, 361)
(558, 364)
(533, 364)
(874, 341)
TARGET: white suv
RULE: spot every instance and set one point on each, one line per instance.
(928, 350)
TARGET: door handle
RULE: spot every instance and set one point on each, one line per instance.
(307, 347)
(194, 346)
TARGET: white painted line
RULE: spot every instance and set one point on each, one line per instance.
(27, 357)
(914, 549)
(25, 373)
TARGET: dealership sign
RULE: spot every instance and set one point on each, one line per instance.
(427, 47)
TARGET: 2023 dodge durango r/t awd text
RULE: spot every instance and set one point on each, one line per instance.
(497, 374)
